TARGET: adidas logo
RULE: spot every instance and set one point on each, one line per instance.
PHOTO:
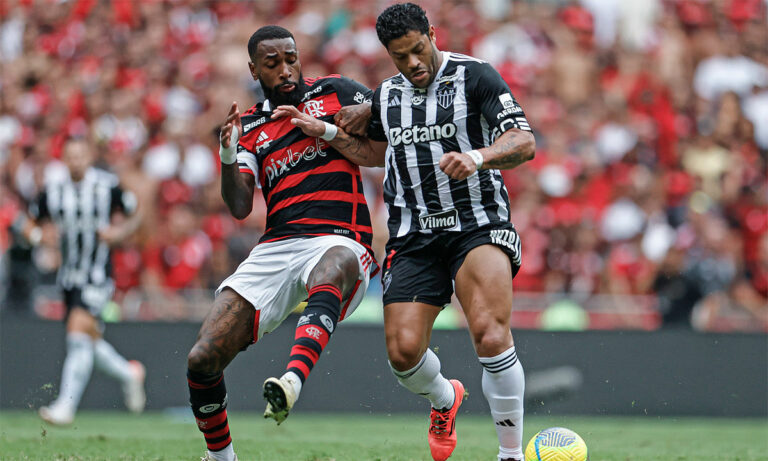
(394, 101)
(263, 141)
(506, 423)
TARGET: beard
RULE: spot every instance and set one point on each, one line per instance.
(279, 98)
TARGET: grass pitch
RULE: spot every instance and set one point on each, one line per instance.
(376, 437)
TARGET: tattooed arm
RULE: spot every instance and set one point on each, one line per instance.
(361, 151)
(514, 147)
(236, 188)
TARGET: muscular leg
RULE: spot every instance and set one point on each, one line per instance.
(338, 267)
(484, 288)
(227, 329)
(330, 281)
(107, 360)
(408, 330)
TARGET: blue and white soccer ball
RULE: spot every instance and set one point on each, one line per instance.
(556, 444)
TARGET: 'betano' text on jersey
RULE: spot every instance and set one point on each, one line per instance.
(466, 107)
(309, 188)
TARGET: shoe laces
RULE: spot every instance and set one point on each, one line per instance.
(439, 422)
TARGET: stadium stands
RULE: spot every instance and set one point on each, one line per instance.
(648, 189)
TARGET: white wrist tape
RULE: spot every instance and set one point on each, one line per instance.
(330, 132)
(477, 157)
(228, 155)
(35, 235)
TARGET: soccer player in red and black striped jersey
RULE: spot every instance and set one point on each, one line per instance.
(317, 243)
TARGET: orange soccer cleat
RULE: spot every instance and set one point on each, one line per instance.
(442, 426)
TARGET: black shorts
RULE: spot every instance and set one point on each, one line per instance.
(421, 267)
(93, 298)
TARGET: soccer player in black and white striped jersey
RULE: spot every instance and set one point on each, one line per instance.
(443, 127)
(82, 207)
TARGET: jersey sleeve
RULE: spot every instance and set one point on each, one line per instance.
(351, 92)
(492, 94)
(252, 140)
(375, 127)
(246, 163)
(122, 200)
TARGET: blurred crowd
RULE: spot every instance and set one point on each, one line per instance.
(651, 119)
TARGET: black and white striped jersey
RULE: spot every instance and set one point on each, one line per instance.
(79, 210)
(466, 107)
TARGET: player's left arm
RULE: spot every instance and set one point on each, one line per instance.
(514, 143)
(513, 148)
(126, 217)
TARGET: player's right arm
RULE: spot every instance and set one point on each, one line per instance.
(35, 226)
(358, 150)
(236, 188)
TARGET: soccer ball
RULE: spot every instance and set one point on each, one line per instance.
(556, 444)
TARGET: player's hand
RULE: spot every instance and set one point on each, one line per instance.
(308, 124)
(233, 119)
(50, 235)
(354, 119)
(457, 165)
(111, 235)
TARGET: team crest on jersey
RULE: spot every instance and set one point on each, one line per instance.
(445, 95)
(314, 107)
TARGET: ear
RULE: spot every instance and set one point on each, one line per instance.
(431, 33)
(252, 68)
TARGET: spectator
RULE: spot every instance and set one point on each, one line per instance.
(650, 116)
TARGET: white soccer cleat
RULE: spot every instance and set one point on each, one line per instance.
(56, 415)
(208, 457)
(133, 391)
(280, 396)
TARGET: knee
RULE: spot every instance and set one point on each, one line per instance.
(404, 351)
(337, 267)
(198, 360)
(491, 339)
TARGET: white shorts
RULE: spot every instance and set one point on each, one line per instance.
(273, 278)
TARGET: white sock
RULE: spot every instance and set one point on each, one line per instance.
(295, 381)
(503, 387)
(76, 370)
(425, 379)
(107, 359)
(225, 454)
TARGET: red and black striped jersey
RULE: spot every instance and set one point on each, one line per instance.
(310, 189)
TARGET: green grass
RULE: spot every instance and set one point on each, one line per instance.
(314, 437)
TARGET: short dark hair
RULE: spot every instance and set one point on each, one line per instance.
(267, 33)
(398, 20)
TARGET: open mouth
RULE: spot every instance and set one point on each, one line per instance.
(419, 74)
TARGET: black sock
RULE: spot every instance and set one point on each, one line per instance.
(208, 397)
